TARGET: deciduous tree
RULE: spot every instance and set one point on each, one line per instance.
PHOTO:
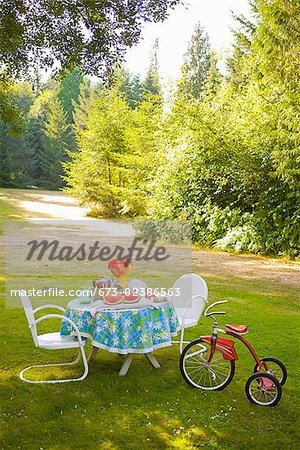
(91, 35)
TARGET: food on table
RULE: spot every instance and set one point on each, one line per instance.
(113, 299)
(158, 298)
(131, 298)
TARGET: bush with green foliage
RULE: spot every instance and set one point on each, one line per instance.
(232, 156)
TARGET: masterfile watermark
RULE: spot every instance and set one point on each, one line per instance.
(90, 291)
(139, 250)
(67, 254)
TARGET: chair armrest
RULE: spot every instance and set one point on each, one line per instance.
(194, 297)
(59, 316)
(39, 308)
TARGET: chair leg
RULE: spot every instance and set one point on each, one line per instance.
(82, 377)
(181, 341)
(178, 342)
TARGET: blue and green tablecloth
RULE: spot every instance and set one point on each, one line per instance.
(139, 330)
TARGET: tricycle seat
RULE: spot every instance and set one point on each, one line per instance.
(239, 329)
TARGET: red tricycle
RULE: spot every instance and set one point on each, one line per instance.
(209, 363)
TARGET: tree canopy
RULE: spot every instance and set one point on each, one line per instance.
(92, 35)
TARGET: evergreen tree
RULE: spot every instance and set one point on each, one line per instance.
(34, 132)
(151, 83)
(130, 87)
(16, 159)
(143, 135)
(15, 156)
(135, 94)
(214, 78)
(196, 65)
(82, 106)
(69, 91)
(55, 145)
(239, 63)
(97, 173)
(4, 161)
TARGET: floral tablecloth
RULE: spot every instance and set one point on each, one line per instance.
(137, 330)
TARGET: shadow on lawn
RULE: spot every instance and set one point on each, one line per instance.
(148, 408)
(105, 411)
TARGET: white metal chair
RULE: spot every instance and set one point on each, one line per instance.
(189, 298)
(53, 341)
(138, 286)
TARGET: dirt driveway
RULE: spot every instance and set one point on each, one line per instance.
(56, 205)
(44, 204)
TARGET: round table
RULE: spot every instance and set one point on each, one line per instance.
(125, 329)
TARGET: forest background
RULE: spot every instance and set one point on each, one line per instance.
(219, 150)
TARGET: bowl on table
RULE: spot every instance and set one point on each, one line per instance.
(86, 296)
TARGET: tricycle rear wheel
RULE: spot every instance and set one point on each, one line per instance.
(273, 367)
(263, 389)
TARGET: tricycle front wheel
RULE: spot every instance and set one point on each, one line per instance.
(198, 373)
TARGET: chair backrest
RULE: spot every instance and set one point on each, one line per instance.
(30, 317)
(187, 286)
(138, 285)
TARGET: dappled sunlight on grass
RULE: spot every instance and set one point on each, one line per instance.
(175, 435)
(150, 408)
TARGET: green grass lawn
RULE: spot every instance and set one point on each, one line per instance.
(155, 409)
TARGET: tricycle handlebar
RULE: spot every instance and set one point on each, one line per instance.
(208, 313)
